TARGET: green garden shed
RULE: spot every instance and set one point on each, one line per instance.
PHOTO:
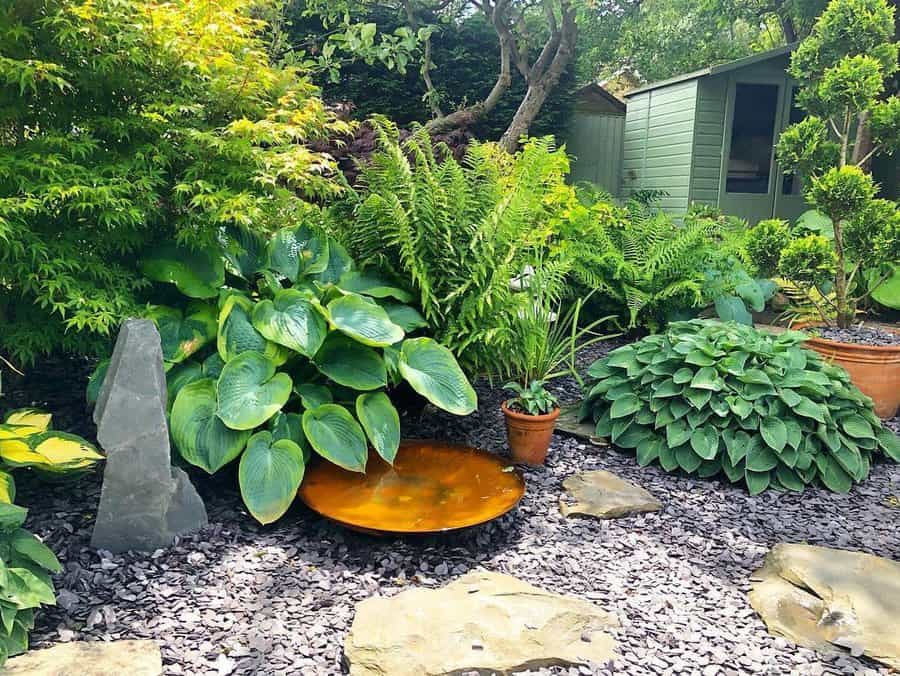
(595, 138)
(708, 137)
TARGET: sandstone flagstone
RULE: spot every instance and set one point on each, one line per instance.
(89, 658)
(604, 495)
(144, 502)
(482, 621)
(830, 599)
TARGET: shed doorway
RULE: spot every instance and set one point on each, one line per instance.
(749, 172)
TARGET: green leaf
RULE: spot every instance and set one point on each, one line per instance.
(809, 409)
(381, 422)
(707, 378)
(739, 406)
(351, 364)
(184, 334)
(687, 459)
(179, 376)
(299, 251)
(30, 547)
(648, 450)
(699, 358)
(237, 334)
(774, 433)
(760, 457)
(752, 294)
(698, 398)
(196, 273)
(625, 406)
(200, 436)
(832, 474)
(312, 394)
(889, 444)
(244, 251)
(269, 476)
(857, 427)
(11, 516)
(757, 482)
(789, 397)
(432, 371)
(7, 488)
(336, 436)
(755, 377)
(339, 263)
(705, 442)
(682, 376)
(372, 285)
(292, 321)
(250, 392)
(789, 478)
(404, 316)
(678, 433)
(364, 320)
(732, 308)
(95, 382)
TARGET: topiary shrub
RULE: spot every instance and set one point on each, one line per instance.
(709, 397)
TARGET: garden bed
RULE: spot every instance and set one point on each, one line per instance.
(241, 598)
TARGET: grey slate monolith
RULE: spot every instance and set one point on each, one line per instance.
(144, 502)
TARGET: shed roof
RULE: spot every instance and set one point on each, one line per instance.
(715, 70)
(596, 96)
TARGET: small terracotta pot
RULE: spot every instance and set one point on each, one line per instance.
(874, 369)
(529, 435)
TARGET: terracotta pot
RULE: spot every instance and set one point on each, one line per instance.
(874, 369)
(529, 435)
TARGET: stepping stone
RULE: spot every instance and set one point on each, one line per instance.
(569, 423)
(604, 495)
(89, 658)
(485, 622)
(831, 600)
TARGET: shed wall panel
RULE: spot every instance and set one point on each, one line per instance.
(596, 143)
(708, 141)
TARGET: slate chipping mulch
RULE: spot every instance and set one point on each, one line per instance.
(238, 598)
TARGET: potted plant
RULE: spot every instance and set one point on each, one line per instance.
(842, 68)
(544, 348)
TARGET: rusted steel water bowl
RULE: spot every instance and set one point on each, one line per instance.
(433, 487)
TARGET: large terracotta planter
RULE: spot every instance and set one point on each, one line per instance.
(529, 435)
(874, 369)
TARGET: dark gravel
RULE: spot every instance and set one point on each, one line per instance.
(238, 598)
(864, 335)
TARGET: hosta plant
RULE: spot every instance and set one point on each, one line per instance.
(25, 562)
(295, 355)
(710, 397)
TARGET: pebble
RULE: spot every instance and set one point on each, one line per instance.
(240, 598)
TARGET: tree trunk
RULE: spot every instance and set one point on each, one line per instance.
(844, 311)
(543, 76)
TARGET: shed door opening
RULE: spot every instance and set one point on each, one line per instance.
(752, 138)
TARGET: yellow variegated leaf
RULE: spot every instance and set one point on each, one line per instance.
(31, 417)
(18, 453)
(59, 448)
(10, 431)
(7, 488)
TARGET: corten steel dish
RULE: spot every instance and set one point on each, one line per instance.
(433, 487)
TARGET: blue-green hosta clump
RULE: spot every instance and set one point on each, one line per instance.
(294, 354)
(710, 397)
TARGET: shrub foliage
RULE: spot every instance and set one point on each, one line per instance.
(124, 123)
(709, 397)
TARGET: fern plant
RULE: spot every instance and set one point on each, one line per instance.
(459, 232)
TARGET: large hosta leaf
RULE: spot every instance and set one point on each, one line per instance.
(373, 285)
(64, 451)
(886, 292)
(336, 436)
(351, 364)
(364, 320)
(250, 392)
(290, 426)
(381, 422)
(7, 488)
(245, 251)
(299, 251)
(31, 417)
(237, 333)
(339, 263)
(197, 273)
(200, 436)
(406, 317)
(95, 382)
(432, 371)
(184, 333)
(179, 376)
(291, 320)
(269, 475)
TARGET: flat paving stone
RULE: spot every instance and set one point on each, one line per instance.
(89, 658)
(604, 495)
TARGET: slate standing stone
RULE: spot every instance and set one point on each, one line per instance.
(144, 502)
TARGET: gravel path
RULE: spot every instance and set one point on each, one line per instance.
(244, 599)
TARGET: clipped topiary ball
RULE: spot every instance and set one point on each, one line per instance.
(709, 397)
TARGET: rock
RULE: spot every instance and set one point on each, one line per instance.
(569, 423)
(89, 658)
(483, 621)
(604, 495)
(144, 502)
(831, 599)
